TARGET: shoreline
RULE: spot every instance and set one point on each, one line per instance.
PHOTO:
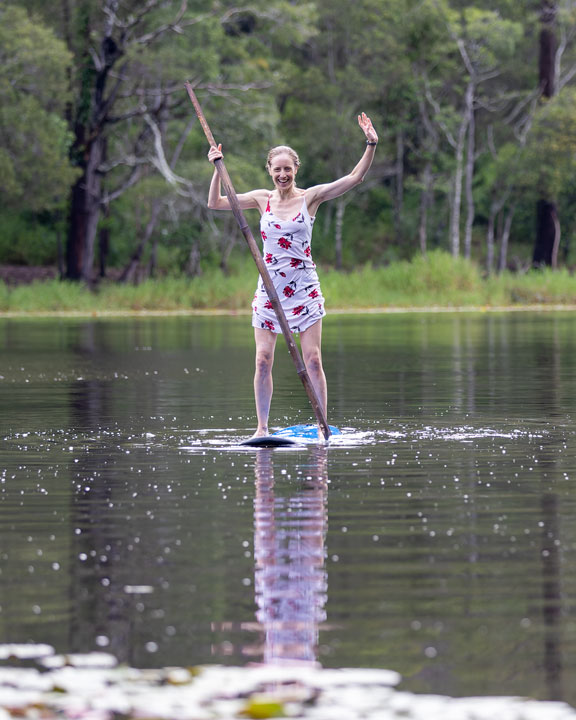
(215, 312)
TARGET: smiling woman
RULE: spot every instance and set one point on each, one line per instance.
(287, 218)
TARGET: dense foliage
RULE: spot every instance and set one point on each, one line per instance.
(103, 165)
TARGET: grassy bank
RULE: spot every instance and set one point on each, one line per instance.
(436, 281)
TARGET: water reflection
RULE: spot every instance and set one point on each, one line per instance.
(552, 604)
(127, 512)
(289, 552)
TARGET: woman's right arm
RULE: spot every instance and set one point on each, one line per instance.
(217, 201)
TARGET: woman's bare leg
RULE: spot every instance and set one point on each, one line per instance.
(263, 384)
(311, 344)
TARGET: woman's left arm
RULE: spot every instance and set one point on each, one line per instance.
(320, 193)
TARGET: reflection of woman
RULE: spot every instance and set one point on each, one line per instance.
(290, 578)
(288, 214)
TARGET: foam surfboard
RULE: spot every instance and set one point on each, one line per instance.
(293, 435)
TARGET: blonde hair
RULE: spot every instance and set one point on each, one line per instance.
(282, 149)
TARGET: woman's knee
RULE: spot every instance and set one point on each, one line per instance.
(264, 361)
(313, 362)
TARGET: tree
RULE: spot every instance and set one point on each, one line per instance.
(34, 139)
(547, 221)
(131, 59)
(114, 86)
(484, 41)
(344, 69)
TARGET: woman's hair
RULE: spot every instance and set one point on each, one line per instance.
(282, 149)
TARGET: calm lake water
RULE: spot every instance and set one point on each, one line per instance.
(435, 537)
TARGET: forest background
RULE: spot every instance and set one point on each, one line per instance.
(103, 170)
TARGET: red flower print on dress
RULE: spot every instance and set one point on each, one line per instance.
(313, 294)
(295, 262)
(278, 227)
(295, 218)
(290, 289)
(268, 324)
(269, 258)
(307, 251)
(268, 206)
(268, 305)
(264, 236)
(298, 310)
(284, 243)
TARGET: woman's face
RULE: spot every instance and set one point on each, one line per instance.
(282, 171)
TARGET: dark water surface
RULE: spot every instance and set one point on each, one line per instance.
(436, 537)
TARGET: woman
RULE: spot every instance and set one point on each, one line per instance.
(287, 217)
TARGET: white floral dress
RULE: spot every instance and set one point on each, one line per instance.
(287, 254)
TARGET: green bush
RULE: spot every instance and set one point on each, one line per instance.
(437, 280)
(26, 242)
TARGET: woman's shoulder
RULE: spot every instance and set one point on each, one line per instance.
(256, 198)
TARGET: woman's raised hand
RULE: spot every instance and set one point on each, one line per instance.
(366, 125)
(215, 153)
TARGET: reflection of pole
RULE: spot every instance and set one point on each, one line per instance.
(548, 359)
(551, 596)
(549, 454)
(290, 577)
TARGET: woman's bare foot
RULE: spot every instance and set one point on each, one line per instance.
(260, 432)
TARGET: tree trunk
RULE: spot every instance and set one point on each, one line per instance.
(129, 272)
(227, 243)
(89, 148)
(546, 227)
(425, 203)
(399, 195)
(458, 173)
(193, 267)
(470, 210)
(104, 244)
(547, 223)
(490, 238)
(84, 214)
(503, 256)
(152, 265)
(339, 223)
(60, 253)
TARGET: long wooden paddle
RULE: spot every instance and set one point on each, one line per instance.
(263, 270)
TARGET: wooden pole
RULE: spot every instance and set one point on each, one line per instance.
(263, 270)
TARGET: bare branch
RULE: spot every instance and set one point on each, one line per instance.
(173, 26)
(522, 128)
(464, 54)
(135, 112)
(130, 160)
(215, 89)
(133, 19)
(180, 144)
(490, 141)
(134, 177)
(565, 79)
(534, 95)
(112, 95)
(565, 39)
(98, 64)
(426, 121)
(436, 107)
(161, 164)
